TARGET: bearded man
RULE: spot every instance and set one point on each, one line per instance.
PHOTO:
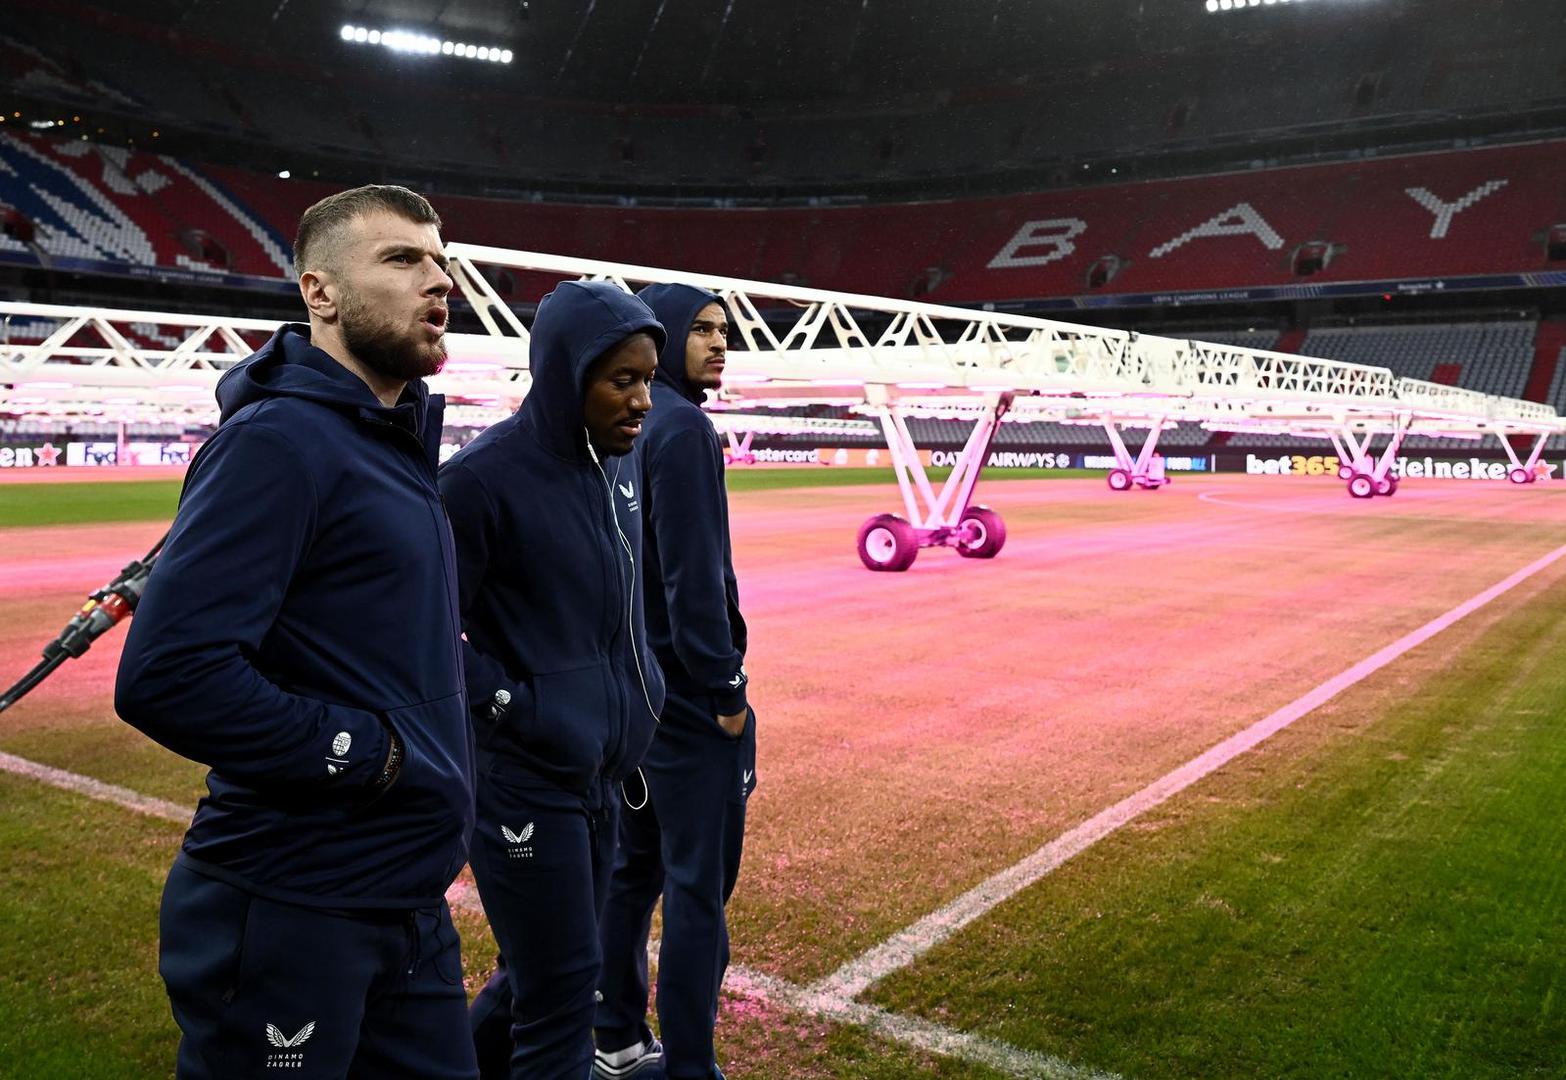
(300, 636)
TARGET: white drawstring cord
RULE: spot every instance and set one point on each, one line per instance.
(630, 602)
(646, 791)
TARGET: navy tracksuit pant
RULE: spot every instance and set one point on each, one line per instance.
(261, 988)
(541, 858)
(685, 846)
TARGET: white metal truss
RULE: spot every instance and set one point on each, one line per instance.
(885, 358)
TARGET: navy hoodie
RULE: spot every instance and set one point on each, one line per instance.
(548, 553)
(305, 602)
(693, 615)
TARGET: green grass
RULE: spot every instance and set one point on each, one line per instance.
(155, 500)
(79, 992)
(770, 479)
(90, 501)
(1377, 892)
(80, 996)
(115, 753)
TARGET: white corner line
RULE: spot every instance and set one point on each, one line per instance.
(832, 997)
(905, 946)
(96, 789)
(462, 896)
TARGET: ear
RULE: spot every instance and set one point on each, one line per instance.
(319, 293)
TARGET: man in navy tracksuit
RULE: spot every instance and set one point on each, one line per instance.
(546, 510)
(300, 636)
(685, 843)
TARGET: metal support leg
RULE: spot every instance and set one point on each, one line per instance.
(965, 474)
(1383, 465)
(1353, 453)
(1524, 472)
(739, 449)
(945, 520)
(905, 459)
(1142, 471)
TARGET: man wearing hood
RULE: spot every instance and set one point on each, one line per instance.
(300, 636)
(685, 843)
(546, 509)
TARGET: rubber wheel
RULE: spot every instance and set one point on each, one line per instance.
(887, 542)
(1385, 486)
(1392, 485)
(1518, 476)
(981, 533)
(1345, 473)
(1361, 486)
(1119, 480)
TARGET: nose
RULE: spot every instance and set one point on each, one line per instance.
(641, 398)
(439, 283)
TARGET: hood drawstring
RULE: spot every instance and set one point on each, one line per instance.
(630, 599)
(646, 791)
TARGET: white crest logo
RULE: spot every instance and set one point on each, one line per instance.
(277, 1038)
(737, 680)
(518, 838)
(628, 490)
(748, 774)
(341, 743)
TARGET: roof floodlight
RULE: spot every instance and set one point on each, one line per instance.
(446, 47)
(361, 35)
(483, 53)
(1212, 5)
(375, 37)
(505, 56)
(347, 33)
(472, 52)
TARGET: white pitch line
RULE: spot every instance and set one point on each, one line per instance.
(905, 946)
(919, 1034)
(96, 789)
(462, 896)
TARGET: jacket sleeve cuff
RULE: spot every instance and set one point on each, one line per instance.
(729, 702)
(357, 742)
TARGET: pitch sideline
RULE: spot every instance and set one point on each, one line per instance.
(908, 944)
(919, 1034)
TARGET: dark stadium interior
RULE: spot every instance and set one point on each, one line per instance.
(1142, 165)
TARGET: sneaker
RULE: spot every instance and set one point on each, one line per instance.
(639, 1061)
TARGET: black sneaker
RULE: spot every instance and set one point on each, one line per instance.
(645, 1064)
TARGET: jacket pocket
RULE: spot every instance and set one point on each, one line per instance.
(568, 729)
(423, 819)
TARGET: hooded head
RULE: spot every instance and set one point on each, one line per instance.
(576, 325)
(692, 358)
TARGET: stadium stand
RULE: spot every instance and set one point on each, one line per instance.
(1462, 213)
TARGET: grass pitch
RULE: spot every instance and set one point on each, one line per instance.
(1376, 893)
(1370, 894)
(88, 502)
(156, 500)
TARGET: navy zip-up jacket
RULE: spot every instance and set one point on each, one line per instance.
(693, 614)
(548, 553)
(305, 602)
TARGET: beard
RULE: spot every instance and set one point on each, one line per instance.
(383, 348)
